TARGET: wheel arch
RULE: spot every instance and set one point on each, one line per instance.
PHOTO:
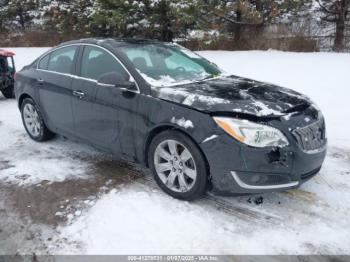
(22, 97)
(159, 129)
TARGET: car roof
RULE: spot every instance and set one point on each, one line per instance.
(6, 53)
(110, 41)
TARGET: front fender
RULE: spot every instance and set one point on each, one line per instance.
(164, 115)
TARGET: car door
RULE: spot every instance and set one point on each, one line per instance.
(54, 80)
(97, 108)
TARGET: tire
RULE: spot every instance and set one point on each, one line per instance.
(33, 121)
(181, 175)
(8, 92)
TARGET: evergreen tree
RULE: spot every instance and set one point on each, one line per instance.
(68, 17)
(18, 13)
(120, 17)
(174, 18)
(162, 19)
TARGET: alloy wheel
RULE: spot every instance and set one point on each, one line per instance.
(175, 166)
(32, 120)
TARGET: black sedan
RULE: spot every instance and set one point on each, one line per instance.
(196, 127)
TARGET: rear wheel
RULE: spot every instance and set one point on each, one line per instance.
(33, 121)
(178, 165)
(9, 92)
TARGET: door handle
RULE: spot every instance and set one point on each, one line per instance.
(78, 94)
(40, 81)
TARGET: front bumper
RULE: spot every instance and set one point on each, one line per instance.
(238, 169)
(253, 186)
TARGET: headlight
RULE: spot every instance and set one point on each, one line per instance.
(252, 134)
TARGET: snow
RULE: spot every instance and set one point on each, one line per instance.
(26, 55)
(264, 110)
(209, 138)
(151, 218)
(177, 94)
(139, 218)
(164, 80)
(182, 122)
(34, 162)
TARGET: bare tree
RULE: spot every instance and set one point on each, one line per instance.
(337, 12)
(235, 16)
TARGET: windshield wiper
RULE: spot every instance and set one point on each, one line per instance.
(207, 77)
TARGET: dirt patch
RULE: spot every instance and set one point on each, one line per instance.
(256, 200)
(47, 202)
(301, 194)
(339, 153)
(108, 167)
(5, 164)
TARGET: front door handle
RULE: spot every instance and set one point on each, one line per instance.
(40, 81)
(78, 94)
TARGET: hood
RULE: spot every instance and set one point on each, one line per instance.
(235, 94)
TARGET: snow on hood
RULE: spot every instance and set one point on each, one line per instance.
(235, 94)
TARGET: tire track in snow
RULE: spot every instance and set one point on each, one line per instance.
(238, 210)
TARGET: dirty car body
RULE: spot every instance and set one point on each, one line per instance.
(211, 111)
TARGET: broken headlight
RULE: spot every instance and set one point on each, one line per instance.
(252, 134)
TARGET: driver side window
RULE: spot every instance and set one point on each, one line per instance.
(97, 62)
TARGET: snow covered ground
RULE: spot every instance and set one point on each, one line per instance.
(67, 198)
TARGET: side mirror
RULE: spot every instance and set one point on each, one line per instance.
(116, 79)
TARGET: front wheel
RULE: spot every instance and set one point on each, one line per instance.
(33, 121)
(178, 165)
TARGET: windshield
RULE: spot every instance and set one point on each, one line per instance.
(169, 64)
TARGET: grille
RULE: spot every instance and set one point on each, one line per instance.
(311, 137)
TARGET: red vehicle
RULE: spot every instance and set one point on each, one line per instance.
(7, 72)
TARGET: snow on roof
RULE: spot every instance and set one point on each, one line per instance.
(6, 53)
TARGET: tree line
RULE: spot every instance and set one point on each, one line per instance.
(172, 19)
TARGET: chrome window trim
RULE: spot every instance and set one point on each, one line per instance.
(246, 186)
(85, 78)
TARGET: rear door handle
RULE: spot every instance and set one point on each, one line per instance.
(78, 94)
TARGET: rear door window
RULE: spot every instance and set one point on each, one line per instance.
(62, 60)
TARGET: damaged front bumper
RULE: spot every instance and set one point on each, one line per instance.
(238, 169)
(253, 186)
